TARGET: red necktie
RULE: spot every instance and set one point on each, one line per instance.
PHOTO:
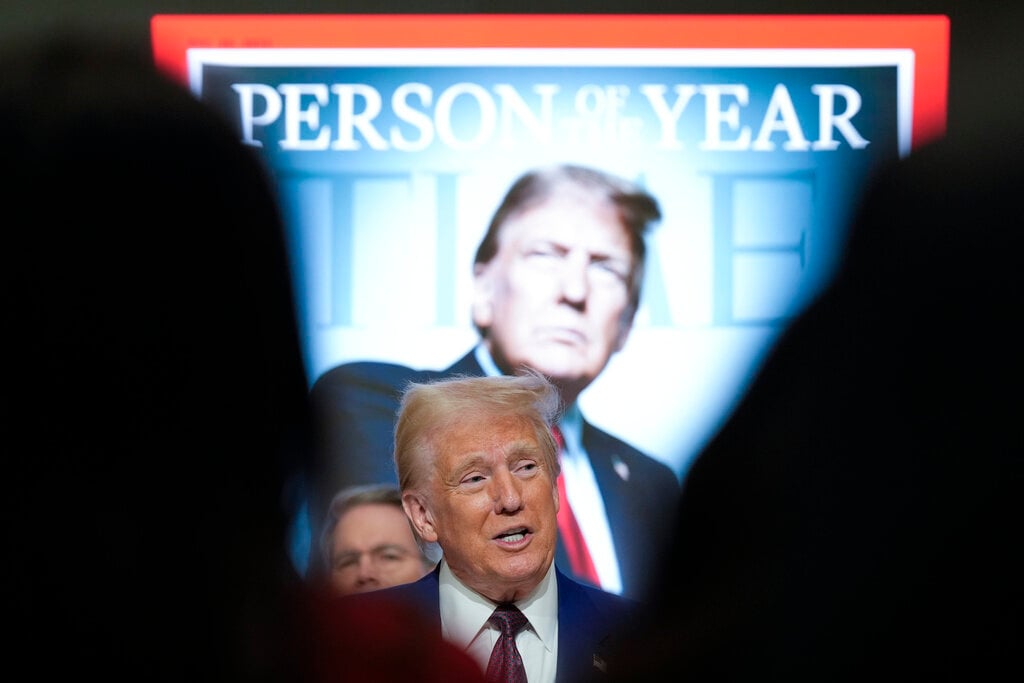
(580, 562)
(506, 664)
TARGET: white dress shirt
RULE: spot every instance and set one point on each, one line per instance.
(580, 488)
(464, 622)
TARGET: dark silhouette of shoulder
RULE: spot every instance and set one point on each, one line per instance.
(854, 514)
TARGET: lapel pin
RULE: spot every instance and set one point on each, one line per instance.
(621, 468)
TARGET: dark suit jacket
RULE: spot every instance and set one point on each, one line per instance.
(591, 622)
(356, 406)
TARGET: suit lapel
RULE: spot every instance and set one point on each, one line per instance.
(618, 496)
(580, 628)
(467, 365)
(426, 594)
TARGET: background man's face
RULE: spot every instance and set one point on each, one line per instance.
(555, 297)
(373, 547)
(491, 504)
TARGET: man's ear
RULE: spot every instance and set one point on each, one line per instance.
(483, 296)
(420, 516)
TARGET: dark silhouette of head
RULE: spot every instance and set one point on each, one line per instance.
(153, 382)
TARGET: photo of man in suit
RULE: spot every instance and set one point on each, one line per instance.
(557, 281)
(477, 464)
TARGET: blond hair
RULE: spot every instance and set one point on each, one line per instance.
(431, 409)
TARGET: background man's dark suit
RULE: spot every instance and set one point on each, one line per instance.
(356, 404)
(591, 622)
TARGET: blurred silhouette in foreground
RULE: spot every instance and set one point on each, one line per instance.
(154, 401)
(859, 514)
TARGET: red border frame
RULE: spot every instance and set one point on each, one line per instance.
(926, 35)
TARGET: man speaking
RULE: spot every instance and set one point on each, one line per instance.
(478, 468)
(557, 282)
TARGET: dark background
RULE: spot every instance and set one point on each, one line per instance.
(984, 45)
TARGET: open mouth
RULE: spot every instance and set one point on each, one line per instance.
(513, 535)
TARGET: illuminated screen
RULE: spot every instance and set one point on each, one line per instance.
(393, 139)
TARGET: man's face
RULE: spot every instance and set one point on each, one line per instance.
(491, 504)
(373, 547)
(555, 297)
